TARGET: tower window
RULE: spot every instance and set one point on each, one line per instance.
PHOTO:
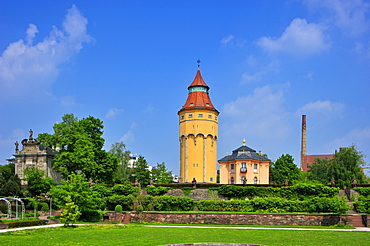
(210, 116)
(200, 115)
(191, 104)
(190, 116)
(207, 104)
(211, 179)
(182, 117)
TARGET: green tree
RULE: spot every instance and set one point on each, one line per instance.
(344, 167)
(284, 168)
(10, 184)
(80, 144)
(37, 182)
(78, 190)
(71, 213)
(141, 171)
(122, 173)
(161, 175)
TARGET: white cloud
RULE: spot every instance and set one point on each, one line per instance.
(322, 107)
(68, 101)
(273, 66)
(299, 38)
(227, 39)
(113, 112)
(347, 15)
(129, 136)
(260, 115)
(27, 69)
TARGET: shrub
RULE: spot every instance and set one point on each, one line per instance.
(44, 206)
(139, 209)
(91, 215)
(157, 191)
(363, 191)
(4, 208)
(362, 205)
(118, 209)
(127, 202)
(172, 203)
(125, 190)
(24, 223)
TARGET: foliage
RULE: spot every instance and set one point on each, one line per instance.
(299, 191)
(118, 208)
(186, 190)
(77, 189)
(102, 190)
(24, 223)
(276, 205)
(125, 190)
(172, 203)
(122, 173)
(80, 146)
(10, 184)
(4, 208)
(44, 206)
(284, 168)
(38, 183)
(71, 213)
(161, 175)
(344, 167)
(141, 171)
(362, 205)
(127, 202)
(157, 191)
(91, 215)
(363, 191)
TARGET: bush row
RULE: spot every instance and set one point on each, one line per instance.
(362, 205)
(275, 205)
(298, 191)
(16, 224)
(363, 191)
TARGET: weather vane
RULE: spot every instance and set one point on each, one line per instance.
(198, 63)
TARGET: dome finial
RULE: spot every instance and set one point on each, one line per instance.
(244, 142)
(198, 64)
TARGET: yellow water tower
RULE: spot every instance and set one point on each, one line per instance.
(198, 134)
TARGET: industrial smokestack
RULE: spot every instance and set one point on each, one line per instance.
(304, 140)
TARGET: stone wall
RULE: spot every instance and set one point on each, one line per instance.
(241, 219)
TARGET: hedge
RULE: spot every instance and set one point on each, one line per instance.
(157, 191)
(125, 190)
(298, 191)
(16, 224)
(363, 191)
(91, 215)
(363, 205)
(4, 208)
(127, 202)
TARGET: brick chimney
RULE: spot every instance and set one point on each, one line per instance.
(304, 141)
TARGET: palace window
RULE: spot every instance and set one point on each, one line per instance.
(232, 167)
(255, 168)
(243, 178)
(243, 168)
(255, 180)
(232, 180)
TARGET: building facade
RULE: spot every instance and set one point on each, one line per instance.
(244, 166)
(34, 155)
(198, 134)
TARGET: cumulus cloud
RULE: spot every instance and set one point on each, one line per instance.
(113, 112)
(299, 38)
(27, 68)
(350, 16)
(260, 115)
(323, 107)
(247, 77)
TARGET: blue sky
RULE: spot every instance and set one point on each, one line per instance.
(129, 63)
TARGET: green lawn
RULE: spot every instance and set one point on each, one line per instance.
(139, 235)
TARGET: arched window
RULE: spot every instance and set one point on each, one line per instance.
(255, 180)
(232, 180)
(243, 178)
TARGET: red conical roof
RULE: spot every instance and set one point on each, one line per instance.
(198, 99)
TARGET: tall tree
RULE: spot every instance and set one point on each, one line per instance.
(141, 171)
(10, 184)
(80, 144)
(37, 182)
(161, 175)
(343, 168)
(122, 173)
(284, 168)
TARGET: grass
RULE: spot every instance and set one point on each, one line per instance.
(140, 235)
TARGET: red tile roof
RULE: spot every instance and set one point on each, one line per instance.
(307, 160)
(198, 99)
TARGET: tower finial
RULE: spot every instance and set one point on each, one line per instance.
(198, 64)
(244, 142)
